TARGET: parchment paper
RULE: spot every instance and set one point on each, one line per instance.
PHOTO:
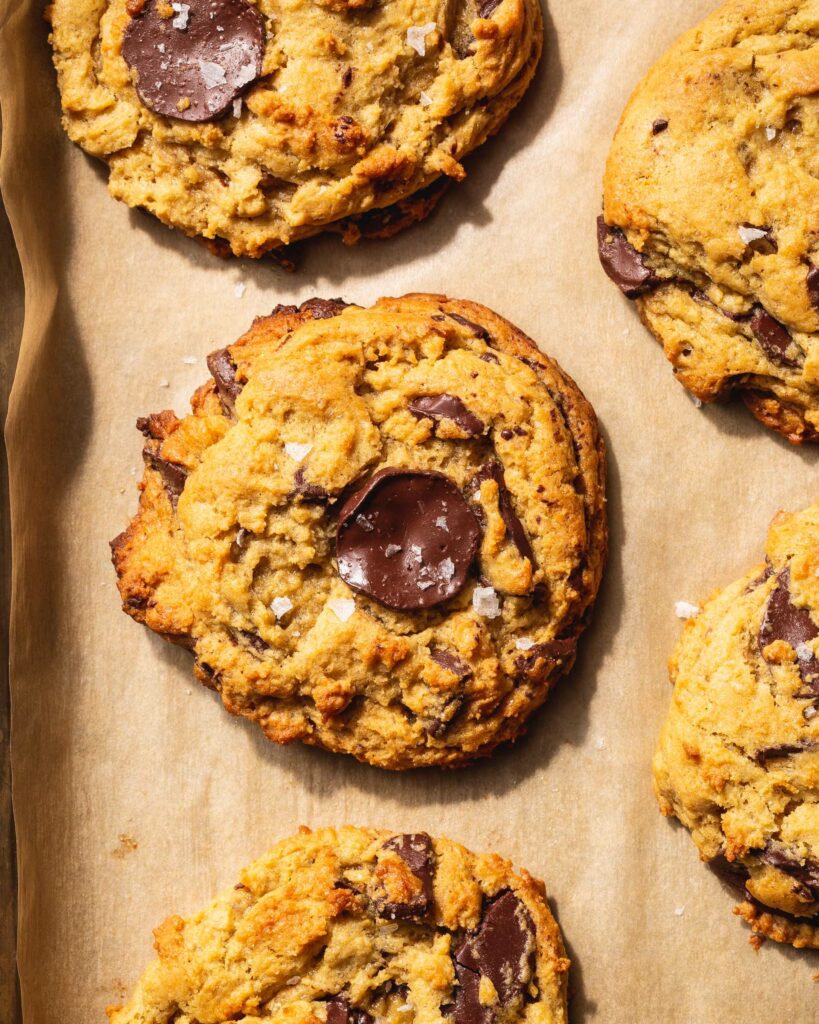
(111, 736)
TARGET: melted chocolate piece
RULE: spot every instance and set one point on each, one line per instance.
(621, 261)
(339, 1011)
(447, 407)
(489, 357)
(323, 309)
(451, 662)
(173, 475)
(415, 850)
(486, 8)
(805, 873)
(773, 337)
(659, 125)
(255, 641)
(193, 65)
(766, 754)
(477, 330)
(406, 538)
(784, 621)
(548, 652)
(223, 370)
(812, 283)
(492, 471)
(501, 949)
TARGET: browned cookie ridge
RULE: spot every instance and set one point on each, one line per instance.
(353, 926)
(709, 220)
(380, 531)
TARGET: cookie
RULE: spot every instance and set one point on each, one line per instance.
(353, 925)
(738, 758)
(710, 200)
(253, 125)
(381, 530)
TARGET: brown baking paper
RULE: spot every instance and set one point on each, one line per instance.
(135, 795)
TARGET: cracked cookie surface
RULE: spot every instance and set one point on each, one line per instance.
(738, 758)
(710, 220)
(381, 530)
(352, 926)
(312, 115)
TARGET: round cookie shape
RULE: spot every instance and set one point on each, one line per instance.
(354, 925)
(738, 757)
(193, 60)
(251, 126)
(352, 562)
(407, 539)
(708, 210)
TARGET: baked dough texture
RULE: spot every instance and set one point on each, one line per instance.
(233, 550)
(738, 757)
(711, 198)
(359, 106)
(352, 926)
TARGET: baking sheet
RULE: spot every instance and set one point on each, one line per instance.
(135, 794)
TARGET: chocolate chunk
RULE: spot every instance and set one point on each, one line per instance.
(489, 357)
(447, 407)
(194, 64)
(323, 309)
(451, 662)
(477, 330)
(502, 949)
(415, 850)
(784, 621)
(621, 261)
(773, 337)
(223, 370)
(406, 538)
(492, 471)
(659, 125)
(812, 282)
(766, 754)
(339, 1011)
(486, 8)
(804, 871)
(548, 653)
(255, 641)
(173, 475)
(308, 492)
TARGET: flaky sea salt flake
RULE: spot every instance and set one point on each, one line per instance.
(425, 99)
(417, 37)
(392, 549)
(686, 610)
(181, 19)
(296, 451)
(239, 289)
(486, 602)
(770, 133)
(341, 607)
(281, 606)
(213, 75)
(524, 643)
(237, 107)
(189, 360)
(803, 652)
(749, 234)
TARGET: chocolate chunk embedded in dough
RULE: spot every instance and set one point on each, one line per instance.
(195, 63)
(812, 283)
(502, 949)
(447, 407)
(223, 370)
(173, 475)
(804, 871)
(415, 850)
(621, 261)
(406, 538)
(492, 471)
(773, 337)
(339, 1011)
(784, 621)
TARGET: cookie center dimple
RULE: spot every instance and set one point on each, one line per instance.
(193, 58)
(407, 538)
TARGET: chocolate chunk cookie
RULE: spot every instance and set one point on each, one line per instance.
(353, 926)
(381, 530)
(710, 196)
(738, 758)
(252, 125)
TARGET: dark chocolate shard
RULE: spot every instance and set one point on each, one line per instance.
(339, 1011)
(195, 63)
(812, 284)
(173, 475)
(223, 370)
(765, 754)
(477, 330)
(621, 261)
(517, 533)
(323, 309)
(804, 871)
(784, 621)
(486, 8)
(447, 407)
(659, 125)
(489, 357)
(407, 538)
(416, 851)
(256, 642)
(548, 653)
(502, 949)
(773, 338)
(451, 662)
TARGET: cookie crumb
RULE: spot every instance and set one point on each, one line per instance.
(686, 610)
(127, 844)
